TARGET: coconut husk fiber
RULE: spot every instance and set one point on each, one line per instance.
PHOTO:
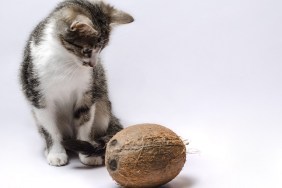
(145, 155)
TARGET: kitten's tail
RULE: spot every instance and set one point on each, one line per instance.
(99, 146)
(84, 147)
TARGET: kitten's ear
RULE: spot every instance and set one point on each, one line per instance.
(119, 17)
(84, 25)
(116, 16)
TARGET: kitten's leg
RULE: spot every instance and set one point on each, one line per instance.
(93, 132)
(84, 133)
(55, 152)
(113, 128)
(102, 118)
(105, 126)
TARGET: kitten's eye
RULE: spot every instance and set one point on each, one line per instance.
(87, 51)
(73, 44)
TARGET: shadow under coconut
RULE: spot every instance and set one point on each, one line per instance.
(85, 167)
(179, 182)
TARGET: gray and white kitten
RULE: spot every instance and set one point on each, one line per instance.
(64, 81)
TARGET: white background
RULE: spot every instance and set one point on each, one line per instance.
(209, 70)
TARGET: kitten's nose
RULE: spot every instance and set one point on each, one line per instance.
(87, 52)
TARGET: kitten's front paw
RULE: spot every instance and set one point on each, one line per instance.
(57, 159)
(92, 161)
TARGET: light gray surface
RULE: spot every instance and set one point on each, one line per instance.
(209, 70)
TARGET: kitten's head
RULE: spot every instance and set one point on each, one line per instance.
(87, 28)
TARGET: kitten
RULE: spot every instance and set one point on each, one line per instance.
(64, 81)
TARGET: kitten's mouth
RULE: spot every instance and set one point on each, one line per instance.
(90, 62)
(85, 63)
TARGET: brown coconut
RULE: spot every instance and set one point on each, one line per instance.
(145, 155)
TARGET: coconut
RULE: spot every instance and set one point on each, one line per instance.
(145, 155)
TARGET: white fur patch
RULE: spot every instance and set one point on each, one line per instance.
(92, 161)
(62, 76)
(84, 131)
(57, 159)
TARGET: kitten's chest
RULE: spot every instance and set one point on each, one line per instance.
(65, 85)
(63, 81)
